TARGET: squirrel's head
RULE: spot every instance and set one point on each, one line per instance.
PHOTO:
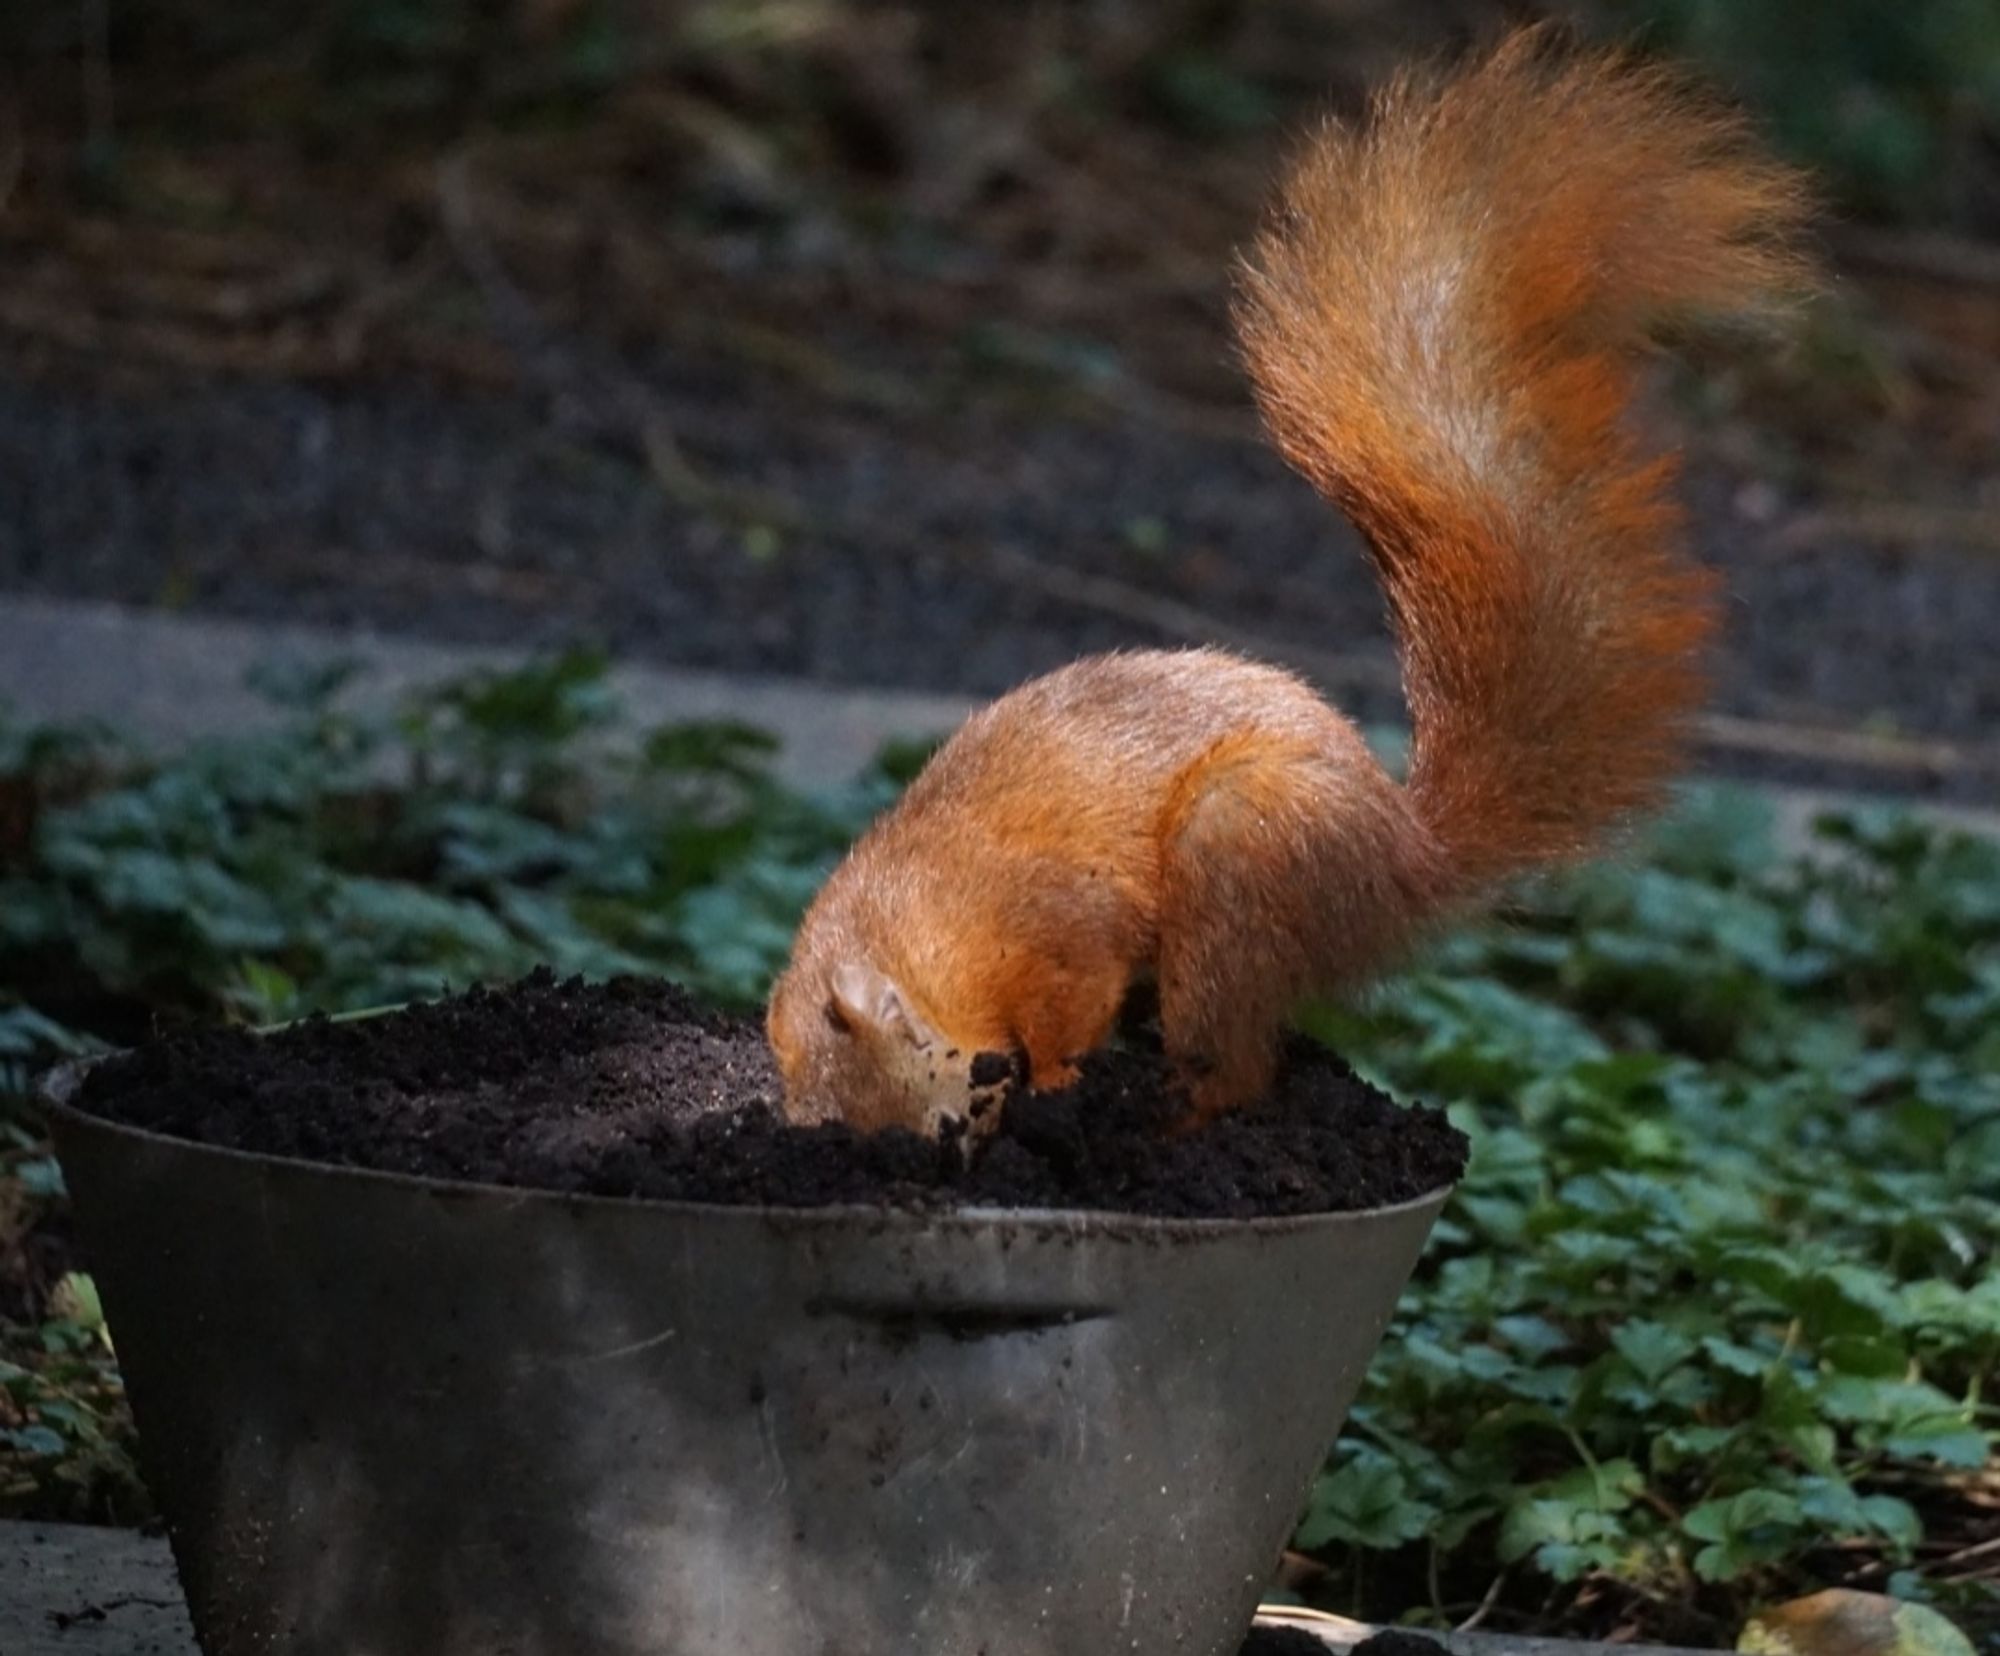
(852, 1046)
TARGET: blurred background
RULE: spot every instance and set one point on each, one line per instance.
(886, 343)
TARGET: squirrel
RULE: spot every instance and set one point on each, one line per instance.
(1443, 320)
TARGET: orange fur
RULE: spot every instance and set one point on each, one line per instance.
(1442, 322)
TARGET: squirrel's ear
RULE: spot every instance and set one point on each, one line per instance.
(867, 999)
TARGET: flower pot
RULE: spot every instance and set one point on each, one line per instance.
(392, 1417)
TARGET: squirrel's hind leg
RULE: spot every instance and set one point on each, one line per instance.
(1291, 864)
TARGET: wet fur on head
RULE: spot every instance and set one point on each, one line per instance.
(851, 1047)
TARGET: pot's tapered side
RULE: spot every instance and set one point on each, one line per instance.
(384, 1416)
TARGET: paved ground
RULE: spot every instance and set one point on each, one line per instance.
(70, 1591)
(171, 678)
(917, 544)
(67, 1591)
(168, 679)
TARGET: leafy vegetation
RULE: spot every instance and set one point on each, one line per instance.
(1716, 1314)
(342, 863)
(1717, 1310)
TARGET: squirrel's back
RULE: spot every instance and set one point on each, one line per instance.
(1443, 321)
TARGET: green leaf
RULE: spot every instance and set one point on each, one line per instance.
(1533, 1337)
(1744, 1531)
(1366, 1503)
(1945, 1441)
(1737, 1514)
(1734, 1358)
(34, 1440)
(1651, 1348)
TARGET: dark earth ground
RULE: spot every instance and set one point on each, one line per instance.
(945, 549)
(417, 510)
(938, 432)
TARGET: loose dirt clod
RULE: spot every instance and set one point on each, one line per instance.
(1394, 1641)
(634, 1089)
(1281, 1641)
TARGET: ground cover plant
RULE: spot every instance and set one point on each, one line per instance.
(1714, 1318)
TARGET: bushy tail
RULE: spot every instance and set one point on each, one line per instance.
(1444, 321)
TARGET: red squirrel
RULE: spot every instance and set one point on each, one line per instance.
(1444, 322)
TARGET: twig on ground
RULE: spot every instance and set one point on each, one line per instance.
(1861, 749)
(1983, 1556)
(430, 577)
(99, 103)
(812, 365)
(1486, 1604)
(1298, 1615)
(1927, 253)
(1894, 523)
(13, 156)
(1178, 620)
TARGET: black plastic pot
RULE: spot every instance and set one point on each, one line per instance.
(388, 1417)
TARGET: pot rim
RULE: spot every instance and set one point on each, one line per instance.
(57, 1087)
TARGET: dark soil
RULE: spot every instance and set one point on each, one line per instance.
(924, 561)
(1285, 1641)
(1396, 1642)
(632, 1089)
